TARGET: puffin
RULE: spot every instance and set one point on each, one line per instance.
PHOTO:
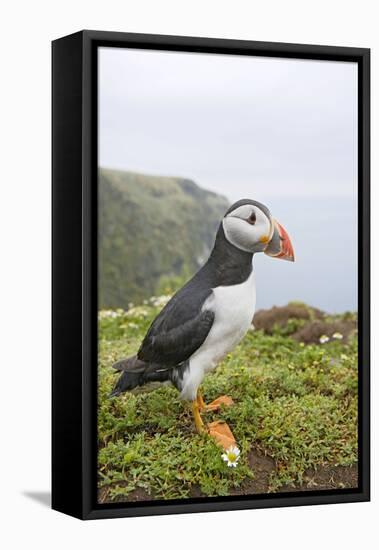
(208, 316)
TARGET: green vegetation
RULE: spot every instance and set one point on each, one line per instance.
(154, 232)
(294, 402)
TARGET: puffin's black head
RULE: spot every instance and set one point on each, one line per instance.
(249, 226)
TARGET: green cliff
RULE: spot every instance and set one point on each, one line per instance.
(154, 232)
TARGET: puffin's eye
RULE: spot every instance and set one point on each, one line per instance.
(252, 218)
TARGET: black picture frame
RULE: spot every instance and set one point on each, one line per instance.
(74, 272)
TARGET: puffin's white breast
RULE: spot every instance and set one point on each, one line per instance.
(234, 308)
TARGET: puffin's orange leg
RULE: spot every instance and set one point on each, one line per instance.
(200, 400)
(214, 405)
(197, 418)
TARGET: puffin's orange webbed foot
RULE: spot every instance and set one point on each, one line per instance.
(222, 434)
(219, 430)
(217, 403)
(214, 405)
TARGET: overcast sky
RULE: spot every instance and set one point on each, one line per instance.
(233, 124)
(280, 131)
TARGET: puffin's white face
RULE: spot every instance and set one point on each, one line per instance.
(248, 228)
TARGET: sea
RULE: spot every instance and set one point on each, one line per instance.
(323, 232)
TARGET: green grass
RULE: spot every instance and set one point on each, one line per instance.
(295, 402)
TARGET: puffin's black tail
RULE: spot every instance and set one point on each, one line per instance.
(135, 372)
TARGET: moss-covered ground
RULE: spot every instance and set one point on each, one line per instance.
(294, 403)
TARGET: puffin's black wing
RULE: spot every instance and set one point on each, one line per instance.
(180, 329)
(175, 346)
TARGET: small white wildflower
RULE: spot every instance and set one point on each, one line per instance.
(138, 312)
(231, 456)
(337, 336)
(160, 301)
(324, 339)
(109, 313)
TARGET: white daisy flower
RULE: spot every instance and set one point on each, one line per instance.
(231, 456)
(160, 301)
(337, 336)
(107, 313)
(324, 339)
(139, 312)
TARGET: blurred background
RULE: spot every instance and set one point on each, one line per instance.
(182, 136)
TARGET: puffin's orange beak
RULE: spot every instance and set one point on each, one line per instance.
(280, 245)
(286, 249)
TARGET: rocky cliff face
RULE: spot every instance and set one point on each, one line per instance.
(153, 231)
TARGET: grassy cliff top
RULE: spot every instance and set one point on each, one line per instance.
(294, 417)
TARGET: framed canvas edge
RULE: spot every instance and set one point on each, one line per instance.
(91, 40)
(67, 318)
